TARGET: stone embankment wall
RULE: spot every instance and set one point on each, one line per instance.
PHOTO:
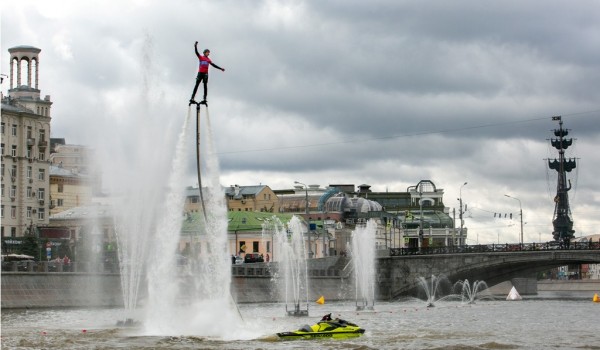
(60, 289)
(331, 278)
(571, 285)
(249, 283)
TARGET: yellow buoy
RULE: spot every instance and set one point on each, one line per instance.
(321, 300)
(596, 299)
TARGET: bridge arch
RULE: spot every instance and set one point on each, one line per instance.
(398, 275)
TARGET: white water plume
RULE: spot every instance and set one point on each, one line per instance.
(290, 253)
(363, 258)
(162, 275)
(205, 307)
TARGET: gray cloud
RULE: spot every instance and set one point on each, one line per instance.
(380, 92)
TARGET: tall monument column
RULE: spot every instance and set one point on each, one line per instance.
(562, 221)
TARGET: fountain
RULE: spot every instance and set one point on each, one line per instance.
(435, 288)
(147, 222)
(469, 293)
(290, 254)
(363, 258)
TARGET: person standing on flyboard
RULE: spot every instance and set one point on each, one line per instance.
(202, 76)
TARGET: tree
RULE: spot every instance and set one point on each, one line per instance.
(30, 246)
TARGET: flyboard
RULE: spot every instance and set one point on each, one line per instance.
(198, 104)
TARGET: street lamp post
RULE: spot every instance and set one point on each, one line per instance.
(520, 214)
(420, 237)
(460, 214)
(310, 253)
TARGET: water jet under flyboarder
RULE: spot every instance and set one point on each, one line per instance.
(198, 145)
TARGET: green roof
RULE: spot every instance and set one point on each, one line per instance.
(238, 221)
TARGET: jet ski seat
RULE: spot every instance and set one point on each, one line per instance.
(306, 328)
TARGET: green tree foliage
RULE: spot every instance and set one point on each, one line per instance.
(30, 246)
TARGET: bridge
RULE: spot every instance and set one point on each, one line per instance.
(398, 273)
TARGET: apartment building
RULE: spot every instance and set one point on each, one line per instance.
(25, 133)
(68, 189)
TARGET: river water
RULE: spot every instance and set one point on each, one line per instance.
(547, 321)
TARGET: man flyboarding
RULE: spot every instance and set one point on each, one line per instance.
(202, 76)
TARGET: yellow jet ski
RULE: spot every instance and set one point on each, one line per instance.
(326, 328)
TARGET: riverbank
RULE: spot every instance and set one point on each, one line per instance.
(533, 287)
(250, 284)
(569, 285)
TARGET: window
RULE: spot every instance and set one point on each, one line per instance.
(41, 213)
(29, 172)
(42, 135)
(2, 169)
(2, 149)
(2, 212)
(242, 247)
(2, 190)
(268, 247)
(41, 194)
(13, 170)
(29, 153)
(41, 174)
(13, 150)
(13, 191)
(3, 128)
(29, 132)
(14, 130)
(59, 202)
(13, 212)
(255, 247)
(13, 232)
(60, 188)
(42, 155)
(29, 212)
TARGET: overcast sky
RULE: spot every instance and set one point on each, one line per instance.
(383, 92)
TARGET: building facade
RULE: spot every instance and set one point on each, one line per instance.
(251, 198)
(25, 152)
(79, 160)
(68, 189)
(257, 198)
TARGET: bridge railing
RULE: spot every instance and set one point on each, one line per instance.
(487, 248)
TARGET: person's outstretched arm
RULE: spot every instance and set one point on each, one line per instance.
(196, 49)
(214, 65)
